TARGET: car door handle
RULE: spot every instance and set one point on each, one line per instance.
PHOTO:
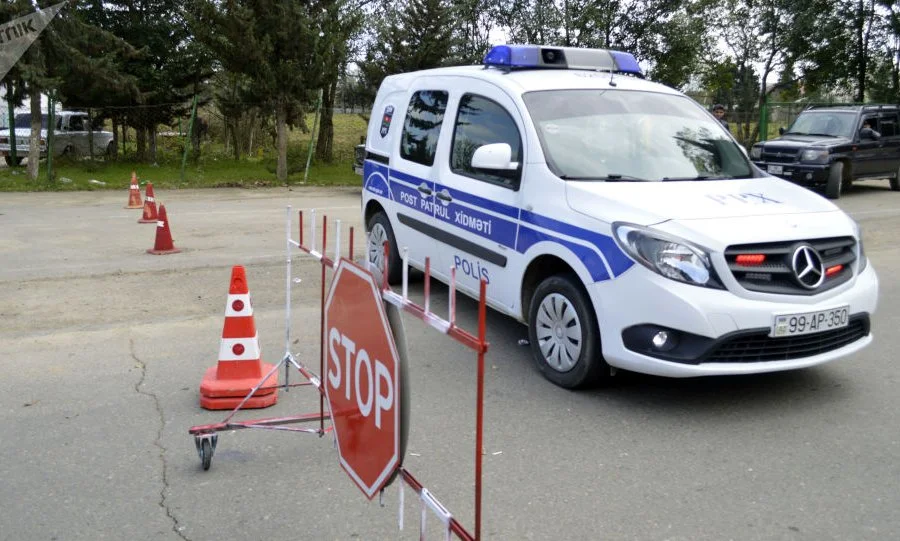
(444, 196)
(424, 189)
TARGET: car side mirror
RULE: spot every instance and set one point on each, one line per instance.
(781, 130)
(868, 133)
(494, 157)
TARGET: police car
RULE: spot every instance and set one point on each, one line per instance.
(613, 216)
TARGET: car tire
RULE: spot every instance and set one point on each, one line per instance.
(895, 181)
(378, 231)
(110, 150)
(564, 335)
(70, 152)
(10, 162)
(835, 181)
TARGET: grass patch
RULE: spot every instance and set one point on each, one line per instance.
(215, 169)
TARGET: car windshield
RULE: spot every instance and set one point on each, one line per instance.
(829, 123)
(632, 136)
(23, 120)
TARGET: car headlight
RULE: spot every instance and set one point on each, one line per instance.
(667, 255)
(863, 261)
(814, 156)
(756, 153)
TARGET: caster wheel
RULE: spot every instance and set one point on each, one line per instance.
(206, 447)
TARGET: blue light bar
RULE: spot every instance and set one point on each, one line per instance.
(541, 57)
(626, 62)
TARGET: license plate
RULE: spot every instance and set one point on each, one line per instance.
(810, 322)
(776, 169)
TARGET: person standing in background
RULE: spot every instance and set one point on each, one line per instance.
(719, 112)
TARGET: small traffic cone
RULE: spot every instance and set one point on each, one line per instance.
(134, 194)
(163, 243)
(150, 215)
(239, 369)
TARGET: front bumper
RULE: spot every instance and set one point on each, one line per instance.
(801, 173)
(722, 333)
(21, 152)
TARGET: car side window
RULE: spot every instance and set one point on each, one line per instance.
(482, 121)
(422, 126)
(76, 124)
(887, 125)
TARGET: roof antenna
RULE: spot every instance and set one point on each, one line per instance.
(612, 73)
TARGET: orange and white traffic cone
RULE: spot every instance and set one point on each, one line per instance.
(240, 368)
(134, 194)
(163, 244)
(150, 214)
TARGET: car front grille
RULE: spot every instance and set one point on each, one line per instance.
(760, 347)
(775, 274)
(779, 155)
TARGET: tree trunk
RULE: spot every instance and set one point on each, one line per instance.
(90, 134)
(115, 140)
(152, 140)
(34, 145)
(281, 136)
(325, 143)
(860, 54)
(140, 138)
(233, 131)
(124, 136)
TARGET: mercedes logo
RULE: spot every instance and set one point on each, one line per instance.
(808, 267)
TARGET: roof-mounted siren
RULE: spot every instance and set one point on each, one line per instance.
(511, 57)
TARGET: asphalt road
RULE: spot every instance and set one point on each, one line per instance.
(105, 346)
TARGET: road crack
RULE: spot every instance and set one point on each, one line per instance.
(176, 527)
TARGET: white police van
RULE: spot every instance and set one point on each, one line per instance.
(614, 216)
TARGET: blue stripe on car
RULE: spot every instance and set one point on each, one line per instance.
(402, 188)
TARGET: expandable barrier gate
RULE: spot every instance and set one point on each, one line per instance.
(206, 436)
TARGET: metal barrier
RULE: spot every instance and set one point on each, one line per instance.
(206, 436)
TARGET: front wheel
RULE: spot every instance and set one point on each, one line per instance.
(835, 181)
(380, 231)
(564, 335)
(895, 181)
(10, 162)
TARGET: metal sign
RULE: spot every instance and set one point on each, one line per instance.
(362, 378)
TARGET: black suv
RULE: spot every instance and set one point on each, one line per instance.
(835, 145)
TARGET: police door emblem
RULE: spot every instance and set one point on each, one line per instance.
(386, 120)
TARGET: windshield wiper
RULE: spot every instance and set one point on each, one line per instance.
(823, 134)
(698, 177)
(613, 177)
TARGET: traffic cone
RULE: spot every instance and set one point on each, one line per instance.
(239, 369)
(163, 243)
(134, 194)
(150, 215)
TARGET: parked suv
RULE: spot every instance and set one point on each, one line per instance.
(71, 137)
(833, 146)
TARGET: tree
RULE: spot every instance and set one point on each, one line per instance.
(410, 36)
(273, 43)
(666, 35)
(69, 49)
(170, 67)
(770, 38)
(343, 21)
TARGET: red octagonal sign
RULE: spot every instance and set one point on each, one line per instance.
(362, 378)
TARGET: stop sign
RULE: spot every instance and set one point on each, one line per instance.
(363, 379)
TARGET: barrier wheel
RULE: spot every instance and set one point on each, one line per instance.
(206, 452)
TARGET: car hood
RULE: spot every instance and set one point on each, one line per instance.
(803, 141)
(647, 203)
